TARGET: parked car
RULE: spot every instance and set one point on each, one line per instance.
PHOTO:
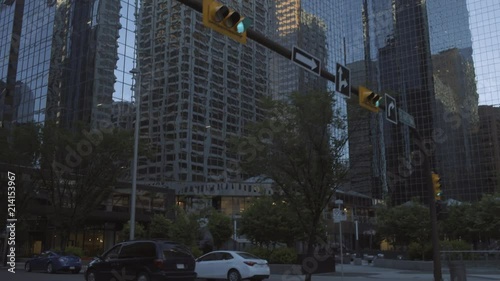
(143, 260)
(231, 265)
(53, 261)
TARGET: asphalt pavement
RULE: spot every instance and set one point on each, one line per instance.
(350, 273)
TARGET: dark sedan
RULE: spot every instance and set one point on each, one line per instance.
(51, 262)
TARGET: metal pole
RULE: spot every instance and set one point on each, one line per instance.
(436, 256)
(137, 96)
(341, 246)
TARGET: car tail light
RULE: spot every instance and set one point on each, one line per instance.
(158, 263)
(250, 263)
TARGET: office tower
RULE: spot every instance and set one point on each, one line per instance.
(198, 89)
(293, 25)
(421, 53)
(488, 138)
(65, 60)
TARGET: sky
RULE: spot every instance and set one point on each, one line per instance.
(484, 19)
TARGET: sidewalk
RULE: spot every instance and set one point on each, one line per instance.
(368, 272)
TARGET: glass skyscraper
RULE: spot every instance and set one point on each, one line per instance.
(426, 55)
(64, 60)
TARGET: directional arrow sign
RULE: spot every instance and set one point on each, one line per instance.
(391, 111)
(306, 60)
(343, 80)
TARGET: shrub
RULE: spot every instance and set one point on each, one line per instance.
(456, 245)
(76, 251)
(196, 251)
(260, 252)
(417, 251)
(283, 256)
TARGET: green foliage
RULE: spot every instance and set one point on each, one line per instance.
(160, 227)
(185, 228)
(75, 168)
(283, 256)
(420, 251)
(456, 245)
(299, 145)
(263, 253)
(280, 255)
(196, 251)
(268, 221)
(140, 231)
(475, 221)
(404, 224)
(76, 251)
(221, 228)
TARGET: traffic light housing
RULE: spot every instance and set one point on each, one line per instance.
(226, 21)
(368, 99)
(436, 185)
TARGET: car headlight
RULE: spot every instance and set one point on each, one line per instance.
(63, 259)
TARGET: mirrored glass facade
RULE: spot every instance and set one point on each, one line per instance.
(436, 58)
(67, 61)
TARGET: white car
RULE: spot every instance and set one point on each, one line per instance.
(231, 265)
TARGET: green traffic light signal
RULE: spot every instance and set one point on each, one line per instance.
(243, 25)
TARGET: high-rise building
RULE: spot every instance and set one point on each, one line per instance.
(65, 60)
(430, 56)
(198, 89)
(292, 25)
(69, 61)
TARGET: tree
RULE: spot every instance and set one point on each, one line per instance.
(404, 224)
(185, 228)
(160, 227)
(301, 146)
(458, 223)
(139, 232)
(268, 221)
(19, 152)
(75, 169)
(220, 227)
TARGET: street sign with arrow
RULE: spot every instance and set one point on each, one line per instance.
(306, 60)
(343, 80)
(391, 111)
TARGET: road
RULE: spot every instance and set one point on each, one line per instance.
(351, 273)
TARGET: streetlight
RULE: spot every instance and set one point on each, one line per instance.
(339, 202)
(137, 96)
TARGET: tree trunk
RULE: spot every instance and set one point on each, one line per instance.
(310, 252)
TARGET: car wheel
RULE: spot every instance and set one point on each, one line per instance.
(233, 275)
(91, 275)
(50, 268)
(142, 276)
(27, 267)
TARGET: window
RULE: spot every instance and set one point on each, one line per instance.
(140, 249)
(171, 250)
(209, 257)
(112, 254)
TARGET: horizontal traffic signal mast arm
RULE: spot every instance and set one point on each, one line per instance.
(260, 38)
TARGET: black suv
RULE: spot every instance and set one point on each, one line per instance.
(143, 260)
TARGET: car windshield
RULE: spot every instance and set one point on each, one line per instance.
(171, 250)
(248, 256)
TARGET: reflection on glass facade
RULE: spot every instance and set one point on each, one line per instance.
(65, 60)
(198, 88)
(434, 59)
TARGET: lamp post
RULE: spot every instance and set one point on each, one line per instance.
(339, 202)
(137, 97)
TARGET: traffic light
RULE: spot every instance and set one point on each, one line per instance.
(224, 20)
(436, 185)
(368, 99)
